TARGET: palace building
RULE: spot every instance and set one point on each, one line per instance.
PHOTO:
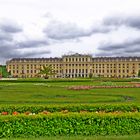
(76, 65)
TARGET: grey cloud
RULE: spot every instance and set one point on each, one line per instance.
(57, 30)
(32, 43)
(133, 49)
(11, 51)
(127, 48)
(21, 49)
(10, 48)
(32, 53)
(7, 31)
(125, 45)
(130, 21)
(62, 31)
(10, 26)
(5, 36)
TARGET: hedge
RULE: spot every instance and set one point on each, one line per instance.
(70, 108)
(71, 124)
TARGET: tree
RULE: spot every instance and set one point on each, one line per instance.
(90, 75)
(46, 71)
(3, 71)
(139, 73)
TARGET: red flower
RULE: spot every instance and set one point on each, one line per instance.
(4, 113)
(15, 113)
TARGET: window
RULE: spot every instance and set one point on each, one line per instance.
(119, 65)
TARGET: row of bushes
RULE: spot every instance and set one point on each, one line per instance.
(70, 108)
(69, 125)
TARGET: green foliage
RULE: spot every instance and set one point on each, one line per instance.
(3, 72)
(139, 73)
(71, 124)
(46, 71)
(90, 75)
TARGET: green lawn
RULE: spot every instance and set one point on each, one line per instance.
(133, 137)
(58, 93)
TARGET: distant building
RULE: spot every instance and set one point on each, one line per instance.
(76, 65)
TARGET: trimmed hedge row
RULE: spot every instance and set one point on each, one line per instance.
(69, 124)
(70, 108)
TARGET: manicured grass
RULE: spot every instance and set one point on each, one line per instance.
(58, 93)
(133, 137)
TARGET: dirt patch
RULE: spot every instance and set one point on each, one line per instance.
(80, 87)
(135, 84)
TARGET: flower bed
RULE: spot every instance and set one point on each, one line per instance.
(93, 87)
(37, 109)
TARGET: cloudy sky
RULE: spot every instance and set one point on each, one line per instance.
(51, 28)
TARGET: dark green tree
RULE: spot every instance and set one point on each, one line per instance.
(139, 73)
(3, 71)
(90, 75)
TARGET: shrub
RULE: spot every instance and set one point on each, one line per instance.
(70, 124)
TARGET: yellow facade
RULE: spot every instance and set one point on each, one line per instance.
(76, 65)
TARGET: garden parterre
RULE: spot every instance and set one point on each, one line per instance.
(26, 105)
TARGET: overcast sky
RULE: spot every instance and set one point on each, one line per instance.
(51, 28)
